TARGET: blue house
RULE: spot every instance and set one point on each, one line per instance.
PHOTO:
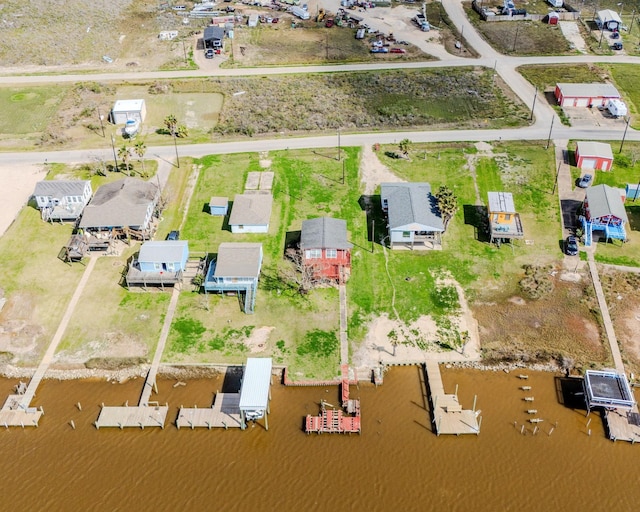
(161, 262)
(236, 269)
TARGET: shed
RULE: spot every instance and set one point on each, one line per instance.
(608, 20)
(414, 220)
(594, 155)
(218, 206)
(61, 199)
(251, 213)
(553, 18)
(213, 37)
(585, 95)
(255, 391)
(632, 191)
(253, 20)
(125, 110)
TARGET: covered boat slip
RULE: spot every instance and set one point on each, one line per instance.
(607, 388)
(255, 391)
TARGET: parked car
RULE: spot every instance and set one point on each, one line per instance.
(209, 53)
(398, 50)
(617, 45)
(571, 246)
(380, 50)
(615, 35)
(585, 181)
(275, 20)
(174, 235)
(329, 23)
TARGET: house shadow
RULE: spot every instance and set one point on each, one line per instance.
(376, 219)
(570, 209)
(232, 379)
(634, 217)
(225, 222)
(570, 393)
(478, 216)
(550, 96)
(570, 158)
(292, 240)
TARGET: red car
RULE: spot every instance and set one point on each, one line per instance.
(329, 23)
(398, 50)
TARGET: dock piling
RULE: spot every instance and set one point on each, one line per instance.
(73, 425)
(79, 406)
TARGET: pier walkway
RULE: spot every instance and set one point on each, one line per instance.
(224, 413)
(144, 414)
(448, 415)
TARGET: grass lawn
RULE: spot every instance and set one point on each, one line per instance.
(545, 77)
(626, 78)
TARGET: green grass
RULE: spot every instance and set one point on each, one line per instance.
(626, 78)
(28, 110)
(545, 77)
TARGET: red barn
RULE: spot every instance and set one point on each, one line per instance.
(594, 155)
(585, 95)
(325, 249)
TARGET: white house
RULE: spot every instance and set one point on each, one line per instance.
(62, 200)
(125, 110)
(250, 213)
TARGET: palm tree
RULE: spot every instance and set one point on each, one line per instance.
(140, 148)
(405, 145)
(182, 131)
(125, 154)
(447, 204)
(171, 123)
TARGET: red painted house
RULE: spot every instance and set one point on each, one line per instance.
(325, 249)
(594, 155)
(585, 95)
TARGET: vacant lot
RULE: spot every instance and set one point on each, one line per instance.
(546, 77)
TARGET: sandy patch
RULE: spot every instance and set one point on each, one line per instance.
(571, 32)
(265, 162)
(17, 183)
(373, 172)
(257, 342)
(113, 345)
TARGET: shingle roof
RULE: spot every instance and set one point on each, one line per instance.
(501, 202)
(604, 200)
(589, 90)
(251, 210)
(599, 149)
(120, 203)
(324, 233)
(238, 260)
(167, 251)
(59, 189)
(410, 203)
(211, 33)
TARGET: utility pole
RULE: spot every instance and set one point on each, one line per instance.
(624, 136)
(601, 34)
(115, 157)
(100, 117)
(343, 164)
(515, 39)
(175, 145)
(338, 144)
(535, 95)
(555, 183)
(550, 130)
(184, 49)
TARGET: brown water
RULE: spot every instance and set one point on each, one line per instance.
(396, 464)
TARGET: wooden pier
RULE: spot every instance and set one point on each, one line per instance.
(137, 416)
(15, 414)
(224, 413)
(623, 424)
(448, 415)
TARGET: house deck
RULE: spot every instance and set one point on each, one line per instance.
(138, 416)
(512, 229)
(448, 415)
(224, 413)
(137, 276)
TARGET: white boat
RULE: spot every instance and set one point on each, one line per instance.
(131, 127)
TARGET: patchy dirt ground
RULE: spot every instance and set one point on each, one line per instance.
(373, 172)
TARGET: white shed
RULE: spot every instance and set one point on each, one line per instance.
(255, 392)
(124, 110)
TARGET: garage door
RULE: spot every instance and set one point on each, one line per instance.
(582, 102)
(588, 163)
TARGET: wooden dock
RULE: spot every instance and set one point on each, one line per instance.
(15, 414)
(448, 415)
(622, 424)
(224, 413)
(137, 416)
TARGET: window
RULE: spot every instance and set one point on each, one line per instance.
(331, 253)
(313, 254)
(406, 234)
(507, 217)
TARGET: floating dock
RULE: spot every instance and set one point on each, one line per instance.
(448, 415)
(137, 416)
(224, 413)
(335, 421)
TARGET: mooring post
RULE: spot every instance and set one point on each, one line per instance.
(73, 425)
(474, 402)
(79, 406)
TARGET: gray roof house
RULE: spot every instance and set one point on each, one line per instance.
(414, 220)
(125, 205)
(251, 213)
(604, 211)
(325, 249)
(213, 37)
(159, 262)
(62, 200)
(236, 269)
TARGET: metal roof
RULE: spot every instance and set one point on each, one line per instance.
(251, 210)
(411, 203)
(588, 90)
(501, 202)
(324, 233)
(604, 200)
(598, 149)
(236, 259)
(211, 33)
(609, 15)
(59, 188)
(167, 251)
(219, 201)
(120, 203)
(128, 106)
(256, 380)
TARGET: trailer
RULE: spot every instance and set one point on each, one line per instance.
(301, 13)
(617, 108)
